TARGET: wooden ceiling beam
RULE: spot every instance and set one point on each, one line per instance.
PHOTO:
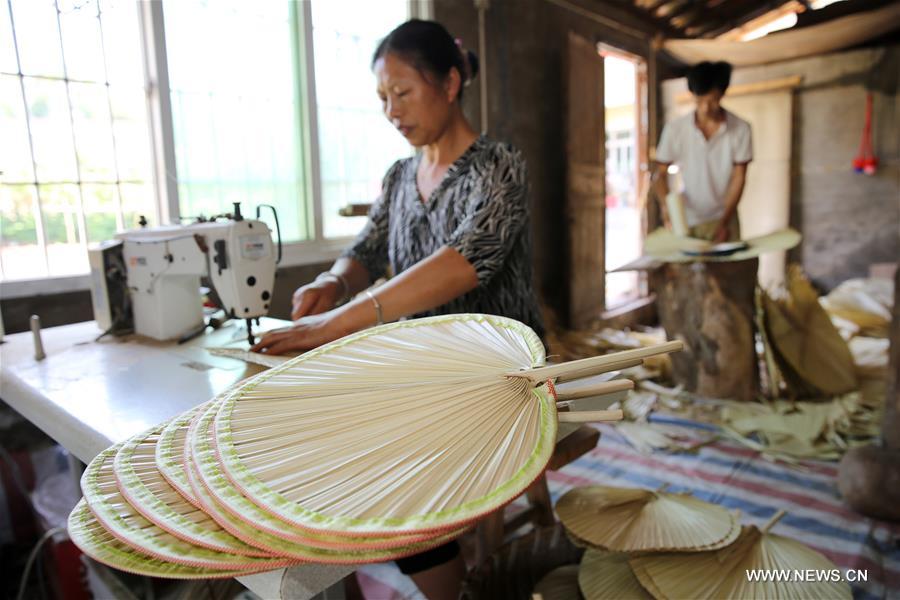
(756, 9)
(645, 15)
(685, 7)
(689, 19)
(654, 6)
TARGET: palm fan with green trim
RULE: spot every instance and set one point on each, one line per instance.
(254, 525)
(96, 541)
(105, 501)
(380, 445)
(417, 426)
(143, 486)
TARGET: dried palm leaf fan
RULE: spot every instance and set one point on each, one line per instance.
(607, 576)
(635, 520)
(412, 427)
(143, 486)
(689, 575)
(120, 519)
(95, 541)
(250, 523)
(170, 452)
(559, 584)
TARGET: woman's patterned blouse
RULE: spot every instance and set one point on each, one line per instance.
(480, 209)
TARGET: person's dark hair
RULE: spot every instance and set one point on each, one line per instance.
(430, 48)
(707, 76)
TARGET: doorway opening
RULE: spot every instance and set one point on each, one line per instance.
(625, 107)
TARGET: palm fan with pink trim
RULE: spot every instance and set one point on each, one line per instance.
(378, 445)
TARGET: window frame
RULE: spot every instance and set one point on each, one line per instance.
(164, 175)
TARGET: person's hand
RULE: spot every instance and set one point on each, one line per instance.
(315, 298)
(721, 233)
(307, 333)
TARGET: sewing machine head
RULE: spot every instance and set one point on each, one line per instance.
(164, 266)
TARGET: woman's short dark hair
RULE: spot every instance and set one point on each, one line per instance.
(430, 48)
(707, 76)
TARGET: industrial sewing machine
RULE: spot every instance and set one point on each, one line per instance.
(164, 265)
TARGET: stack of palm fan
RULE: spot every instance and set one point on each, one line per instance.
(655, 544)
(376, 446)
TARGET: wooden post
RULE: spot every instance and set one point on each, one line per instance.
(869, 477)
(709, 306)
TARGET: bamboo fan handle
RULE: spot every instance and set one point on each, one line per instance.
(589, 416)
(771, 522)
(597, 389)
(591, 371)
(595, 364)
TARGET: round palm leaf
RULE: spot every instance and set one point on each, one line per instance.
(102, 495)
(250, 523)
(143, 487)
(170, 452)
(407, 427)
(664, 245)
(636, 520)
(606, 576)
(95, 541)
(559, 584)
(691, 575)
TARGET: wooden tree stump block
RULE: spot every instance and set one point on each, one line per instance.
(709, 306)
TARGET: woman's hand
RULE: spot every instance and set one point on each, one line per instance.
(307, 333)
(315, 298)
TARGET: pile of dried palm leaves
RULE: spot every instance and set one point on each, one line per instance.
(824, 363)
(655, 544)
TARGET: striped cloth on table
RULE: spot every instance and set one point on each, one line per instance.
(733, 476)
(738, 478)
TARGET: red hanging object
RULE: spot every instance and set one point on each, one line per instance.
(866, 161)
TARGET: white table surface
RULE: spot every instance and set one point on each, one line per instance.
(88, 395)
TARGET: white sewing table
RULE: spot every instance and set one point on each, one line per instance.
(88, 395)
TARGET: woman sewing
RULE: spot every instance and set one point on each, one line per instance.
(452, 222)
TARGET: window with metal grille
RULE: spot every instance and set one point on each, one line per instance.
(75, 151)
(112, 109)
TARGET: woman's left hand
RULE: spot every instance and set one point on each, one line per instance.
(306, 333)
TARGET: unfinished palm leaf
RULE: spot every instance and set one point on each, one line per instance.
(665, 246)
(606, 575)
(813, 355)
(866, 303)
(418, 426)
(559, 584)
(636, 520)
(725, 571)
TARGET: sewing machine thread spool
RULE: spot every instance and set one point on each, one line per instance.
(36, 335)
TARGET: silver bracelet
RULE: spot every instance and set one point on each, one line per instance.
(379, 316)
(342, 281)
